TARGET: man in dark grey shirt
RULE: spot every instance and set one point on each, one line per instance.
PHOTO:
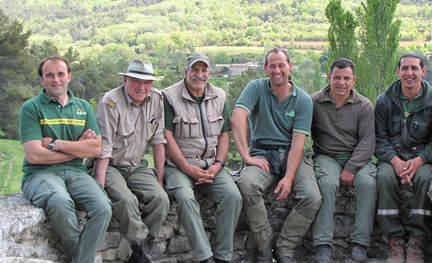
(343, 141)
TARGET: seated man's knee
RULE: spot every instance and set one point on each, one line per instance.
(103, 209)
(184, 195)
(424, 177)
(235, 197)
(161, 198)
(59, 203)
(309, 203)
(247, 185)
(313, 201)
(327, 184)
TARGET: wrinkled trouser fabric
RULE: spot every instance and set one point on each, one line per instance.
(419, 216)
(327, 171)
(58, 193)
(253, 182)
(224, 193)
(126, 186)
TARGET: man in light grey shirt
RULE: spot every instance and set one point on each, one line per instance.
(131, 117)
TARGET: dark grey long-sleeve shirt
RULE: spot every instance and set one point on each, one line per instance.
(345, 132)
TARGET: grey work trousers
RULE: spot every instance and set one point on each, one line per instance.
(126, 186)
(327, 171)
(58, 193)
(254, 181)
(224, 193)
(389, 214)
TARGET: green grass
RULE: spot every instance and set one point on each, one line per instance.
(11, 157)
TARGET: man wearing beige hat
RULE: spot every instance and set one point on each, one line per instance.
(197, 132)
(131, 118)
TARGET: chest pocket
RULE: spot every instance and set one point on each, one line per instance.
(419, 129)
(186, 127)
(123, 137)
(215, 125)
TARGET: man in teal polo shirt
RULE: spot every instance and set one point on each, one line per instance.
(58, 130)
(280, 116)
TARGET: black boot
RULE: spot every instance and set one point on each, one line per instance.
(141, 253)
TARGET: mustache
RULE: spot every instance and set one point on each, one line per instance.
(200, 78)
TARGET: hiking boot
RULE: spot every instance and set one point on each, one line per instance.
(414, 251)
(323, 254)
(396, 253)
(221, 261)
(284, 259)
(209, 260)
(141, 253)
(265, 256)
(358, 253)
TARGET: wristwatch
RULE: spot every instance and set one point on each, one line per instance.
(51, 145)
(222, 163)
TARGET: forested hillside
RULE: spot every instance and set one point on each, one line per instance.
(173, 24)
(100, 37)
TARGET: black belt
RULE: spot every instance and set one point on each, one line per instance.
(267, 147)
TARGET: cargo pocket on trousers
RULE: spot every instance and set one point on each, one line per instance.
(38, 191)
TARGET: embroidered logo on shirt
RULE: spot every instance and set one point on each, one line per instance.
(81, 112)
(290, 114)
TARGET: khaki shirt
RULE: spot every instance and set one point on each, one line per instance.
(197, 126)
(127, 128)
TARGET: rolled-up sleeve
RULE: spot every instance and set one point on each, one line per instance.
(107, 118)
(158, 136)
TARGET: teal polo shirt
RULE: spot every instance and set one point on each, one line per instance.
(273, 122)
(42, 116)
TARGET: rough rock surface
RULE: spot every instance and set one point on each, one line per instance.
(27, 237)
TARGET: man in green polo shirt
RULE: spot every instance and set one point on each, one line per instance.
(58, 130)
(280, 116)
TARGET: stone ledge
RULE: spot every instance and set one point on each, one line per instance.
(26, 236)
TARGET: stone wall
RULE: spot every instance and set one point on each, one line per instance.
(26, 236)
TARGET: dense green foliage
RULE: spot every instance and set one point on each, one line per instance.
(375, 54)
(100, 37)
(341, 33)
(173, 24)
(379, 38)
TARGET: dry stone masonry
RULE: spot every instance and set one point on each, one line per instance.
(27, 237)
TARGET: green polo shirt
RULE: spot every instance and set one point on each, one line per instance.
(410, 105)
(273, 122)
(42, 116)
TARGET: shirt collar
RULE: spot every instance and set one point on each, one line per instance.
(47, 99)
(324, 96)
(294, 88)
